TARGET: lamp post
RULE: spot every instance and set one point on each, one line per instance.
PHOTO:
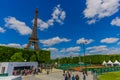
(84, 51)
(90, 60)
(79, 60)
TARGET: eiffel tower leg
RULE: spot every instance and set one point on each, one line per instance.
(36, 46)
(28, 45)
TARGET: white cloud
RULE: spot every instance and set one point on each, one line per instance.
(113, 50)
(102, 49)
(53, 41)
(71, 49)
(67, 52)
(43, 25)
(109, 40)
(63, 15)
(94, 49)
(2, 45)
(73, 54)
(91, 21)
(83, 40)
(60, 55)
(97, 9)
(51, 49)
(15, 45)
(50, 22)
(58, 16)
(21, 27)
(55, 53)
(24, 45)
(116, 22)
(2, 30)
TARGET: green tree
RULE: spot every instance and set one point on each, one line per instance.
(17, 57)
(33, 58)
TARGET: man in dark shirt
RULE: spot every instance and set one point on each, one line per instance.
(77, 77)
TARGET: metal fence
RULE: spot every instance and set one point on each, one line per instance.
(99, 71)
(95, 76)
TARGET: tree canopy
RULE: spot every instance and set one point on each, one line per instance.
(16, 55)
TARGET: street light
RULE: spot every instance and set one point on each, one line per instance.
(90, 60)
(79, 59)
(83, 45)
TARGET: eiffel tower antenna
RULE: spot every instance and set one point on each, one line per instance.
(33, 40)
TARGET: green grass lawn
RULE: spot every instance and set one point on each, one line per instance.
(110, 76)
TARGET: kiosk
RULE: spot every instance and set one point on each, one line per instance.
(10, 67)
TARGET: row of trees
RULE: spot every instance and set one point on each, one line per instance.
(9, 54)
(91, 59)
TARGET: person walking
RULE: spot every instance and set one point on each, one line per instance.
(84, 76)
(73, 77)
(66, 77)
(77, 77)
(63, 72)
(69, 76)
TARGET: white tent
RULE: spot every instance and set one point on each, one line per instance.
(104, 63)
(116, 63)
(110, 63)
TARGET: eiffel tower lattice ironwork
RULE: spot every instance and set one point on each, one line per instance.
(33, 40)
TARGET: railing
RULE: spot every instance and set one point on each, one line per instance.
(103, 70)
(99, 71)
(66, 66)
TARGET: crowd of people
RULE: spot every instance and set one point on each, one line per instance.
(25, 72)
(69, 76)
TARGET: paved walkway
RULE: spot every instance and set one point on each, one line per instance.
(56, 75)
(30, 77)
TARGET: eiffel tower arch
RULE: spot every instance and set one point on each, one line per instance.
(33, 39)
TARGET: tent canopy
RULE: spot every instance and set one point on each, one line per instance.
(116, 62)
(110, 62)
(104, 63)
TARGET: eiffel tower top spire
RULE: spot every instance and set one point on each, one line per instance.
(33, 40)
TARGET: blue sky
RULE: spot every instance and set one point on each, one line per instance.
(63, 26)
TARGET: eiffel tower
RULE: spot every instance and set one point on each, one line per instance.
(33, 40)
